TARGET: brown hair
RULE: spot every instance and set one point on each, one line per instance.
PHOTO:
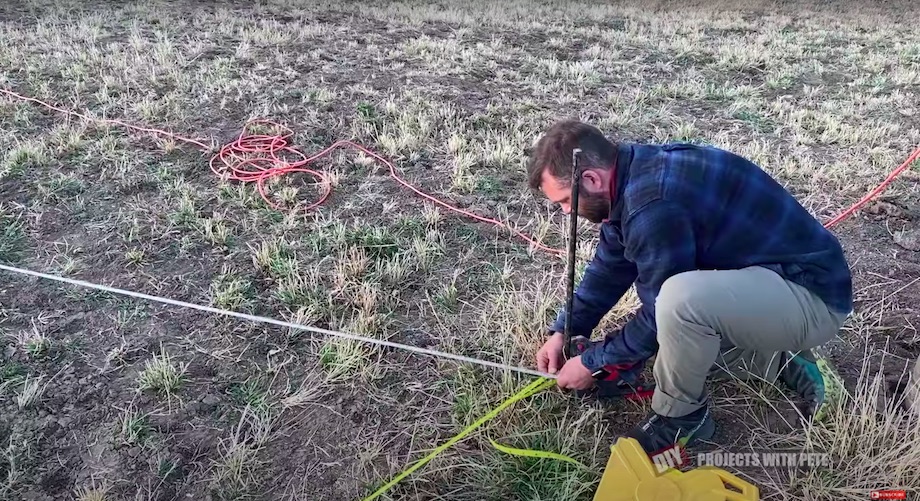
(553, 152)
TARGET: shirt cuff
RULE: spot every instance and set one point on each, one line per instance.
(593, 357)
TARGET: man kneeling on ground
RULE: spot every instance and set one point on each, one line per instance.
(735, 277)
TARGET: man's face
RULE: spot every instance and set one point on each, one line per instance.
(593, 202)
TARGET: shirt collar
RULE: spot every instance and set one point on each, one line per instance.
(618, 181)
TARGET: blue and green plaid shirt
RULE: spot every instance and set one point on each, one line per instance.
(682, 207)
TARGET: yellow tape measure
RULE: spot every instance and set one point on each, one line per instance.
(529, 390)
(534, 454)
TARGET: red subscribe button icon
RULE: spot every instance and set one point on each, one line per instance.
(888, 494)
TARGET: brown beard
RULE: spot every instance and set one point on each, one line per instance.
(594, 208)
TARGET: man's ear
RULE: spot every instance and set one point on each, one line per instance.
(592, 180)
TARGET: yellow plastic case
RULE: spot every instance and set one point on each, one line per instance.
(631, 476)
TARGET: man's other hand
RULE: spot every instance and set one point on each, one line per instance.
(575, 376)
(549, 358)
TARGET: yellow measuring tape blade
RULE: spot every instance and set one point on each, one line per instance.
(534, 454)
(531, 389)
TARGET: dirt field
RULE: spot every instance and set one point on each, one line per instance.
(109, 398)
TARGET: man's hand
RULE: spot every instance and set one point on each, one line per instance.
(575, 376)
(549, 358)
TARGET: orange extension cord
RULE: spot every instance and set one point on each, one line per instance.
(259, 157)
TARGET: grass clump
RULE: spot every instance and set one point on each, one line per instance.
(542, 422)
(34, 342)
(185, 214)
(12, 236)
(135, 257)
(234, 471)
(301, 290)
(59, 188)
(231, 292)
(448, 296)
(276, 258)
(215, 230)
(12, 372)
(133, 427)
(342, 359)
(31, 392)
(377, 241)
(469, 400)
(252, 394)
(21, 158)
(92, 493)
(161, 374)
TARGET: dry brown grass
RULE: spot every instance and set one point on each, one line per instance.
(870, 437)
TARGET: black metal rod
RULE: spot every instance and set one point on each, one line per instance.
(573, 226)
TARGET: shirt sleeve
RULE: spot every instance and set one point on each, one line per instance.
(607, 277)
(661, 240)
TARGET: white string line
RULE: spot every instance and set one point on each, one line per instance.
(255, 318)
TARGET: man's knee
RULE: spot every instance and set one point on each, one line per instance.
(680, 297)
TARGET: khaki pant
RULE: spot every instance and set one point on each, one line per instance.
(730, 323)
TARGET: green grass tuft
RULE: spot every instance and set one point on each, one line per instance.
(134, 428)
(12, 237)
(377, 241)
(251, 393)
(231, 292)
(342, 359)
(162, 375)
(21, 158)
(60, 188)
(276, 258)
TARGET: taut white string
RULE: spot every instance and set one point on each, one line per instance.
(280, 323)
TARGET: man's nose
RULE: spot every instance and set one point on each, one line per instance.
(566, 208)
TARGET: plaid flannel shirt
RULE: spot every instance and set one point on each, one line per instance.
(682, 207)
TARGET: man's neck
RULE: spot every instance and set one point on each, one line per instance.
(618, 174)
(612, 182)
